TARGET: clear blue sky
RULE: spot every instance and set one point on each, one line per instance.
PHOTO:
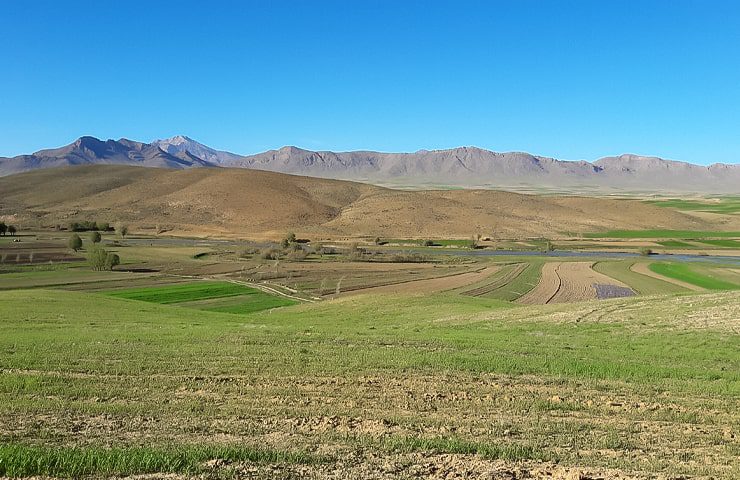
(569, 79)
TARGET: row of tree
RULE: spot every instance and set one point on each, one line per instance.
(9, 229)
(97, 257)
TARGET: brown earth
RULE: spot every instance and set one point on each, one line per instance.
(563, 282)
(257, 204)
(430, 285)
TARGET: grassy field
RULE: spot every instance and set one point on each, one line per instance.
(99, 385)
(224, 297)
(725, 205)
(523, 283)
(183, 292)
(690, 274)
(151, 371)
(722, 243)
(672, 234)
(642, 284)
(675, 244)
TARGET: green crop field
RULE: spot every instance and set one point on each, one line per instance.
(183, 292)
(675, 244)
(674, 234)
(725, 205)
(689, 274)
(224, 297)
(642, 284)
(103, 386)
(722, 243)
(520, 285)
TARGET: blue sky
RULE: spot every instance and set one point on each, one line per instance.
(568, 79)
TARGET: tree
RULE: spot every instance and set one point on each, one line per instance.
(95, 237)
(378, 241)
(100, 259)
(3, 228)
(75, 242)
(288, 240)
(12, 229)
(645, 251)
(112, 260)
(121, 229)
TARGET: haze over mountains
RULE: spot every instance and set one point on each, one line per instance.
(463, 166)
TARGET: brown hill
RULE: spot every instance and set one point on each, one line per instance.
(253, 203)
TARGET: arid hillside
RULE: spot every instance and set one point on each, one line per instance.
(251, 203)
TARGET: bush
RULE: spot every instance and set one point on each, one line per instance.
(100, 259)
(74, 242)
(95, 237)
(297, 256)
(248, 252)
(645, 251)
(428, 243)
(270, 254)
(121, 229)
(88, 226)
(408, 258)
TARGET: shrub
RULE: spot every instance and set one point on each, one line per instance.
(121, 229)
(428, 243)
(408, 258)
(95, 237)
(248, 252)
(297, 256)
(87, 226)
(74, 242)
(100, 259)
(645, 251)
(270, 254)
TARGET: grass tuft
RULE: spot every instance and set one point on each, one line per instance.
(17, 460)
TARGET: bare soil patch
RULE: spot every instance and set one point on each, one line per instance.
(564, 282)
(439, 284)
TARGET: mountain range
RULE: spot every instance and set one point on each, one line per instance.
(464, 166)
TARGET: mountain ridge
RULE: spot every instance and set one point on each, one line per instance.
(466, 166)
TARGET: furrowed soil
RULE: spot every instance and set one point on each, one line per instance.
(431, 285)
(563, 282)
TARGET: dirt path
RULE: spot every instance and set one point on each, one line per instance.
(429, 285)
(563, 282)
(643, 269)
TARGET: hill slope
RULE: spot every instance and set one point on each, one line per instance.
(257, 203)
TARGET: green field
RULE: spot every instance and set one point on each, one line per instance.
(224, 297)
(724, 205)
(674, 234)
(689, 274)
(642, 284)
(675, 244)
(395, 376)
(182, 293)
(523, 283)
(722, 243)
